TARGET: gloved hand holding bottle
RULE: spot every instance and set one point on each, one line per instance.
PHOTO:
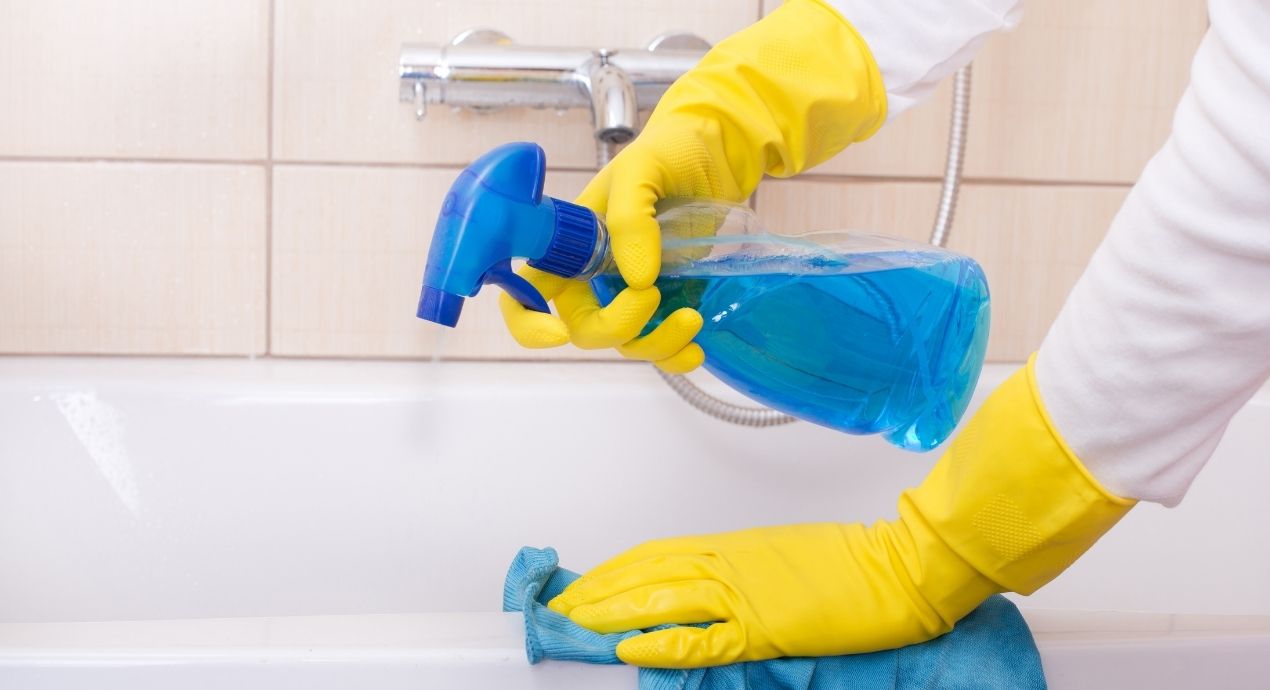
(779, 97)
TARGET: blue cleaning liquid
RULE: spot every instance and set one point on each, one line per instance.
(892, 344)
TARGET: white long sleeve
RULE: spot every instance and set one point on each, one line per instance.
(1167, 333)
(917, 43)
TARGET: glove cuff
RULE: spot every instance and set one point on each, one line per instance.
(790, 92)
(1010, 498)
(873, 106)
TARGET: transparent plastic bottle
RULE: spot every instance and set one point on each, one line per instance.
(861, 333)
(865, 334)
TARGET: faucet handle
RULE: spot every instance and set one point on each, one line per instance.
(678, 40)
(481, 36)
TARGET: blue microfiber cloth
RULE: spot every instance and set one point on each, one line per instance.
(990, 648)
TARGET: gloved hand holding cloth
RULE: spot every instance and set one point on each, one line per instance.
(1007, 508)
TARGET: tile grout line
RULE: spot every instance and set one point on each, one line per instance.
(268, 163)
(965, 180)
(124, 160)
(753, 201)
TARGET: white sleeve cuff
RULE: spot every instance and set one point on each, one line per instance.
(917, 43)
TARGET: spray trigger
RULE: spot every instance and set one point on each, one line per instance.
(502, 275)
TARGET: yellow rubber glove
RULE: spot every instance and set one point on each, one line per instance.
(778, 97)
(589, 326)
(1008, 508)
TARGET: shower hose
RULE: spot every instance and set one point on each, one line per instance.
(761, 416)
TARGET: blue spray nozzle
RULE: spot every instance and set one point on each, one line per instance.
(495, 212)
(439, 306)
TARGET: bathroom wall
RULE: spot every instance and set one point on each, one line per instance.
(235, 177)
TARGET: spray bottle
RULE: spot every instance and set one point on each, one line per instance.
(861, 333)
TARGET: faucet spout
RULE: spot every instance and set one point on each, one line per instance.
(614, 104)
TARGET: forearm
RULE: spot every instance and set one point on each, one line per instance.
(1167, 334)
(919, 42)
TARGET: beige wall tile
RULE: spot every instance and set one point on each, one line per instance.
(335, 88)
(1032, 241)
(170, 258)
(349, 245)
(134, 78)
(1083, 90)
(899, 209)
(132, 258)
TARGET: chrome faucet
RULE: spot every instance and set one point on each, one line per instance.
(483, 70)
(614, 105)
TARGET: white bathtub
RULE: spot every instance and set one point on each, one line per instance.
(278, 524)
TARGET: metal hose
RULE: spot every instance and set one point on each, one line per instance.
(743, 415)
(957, 124)
(720, 409)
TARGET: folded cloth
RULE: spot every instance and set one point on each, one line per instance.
(990, 648)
